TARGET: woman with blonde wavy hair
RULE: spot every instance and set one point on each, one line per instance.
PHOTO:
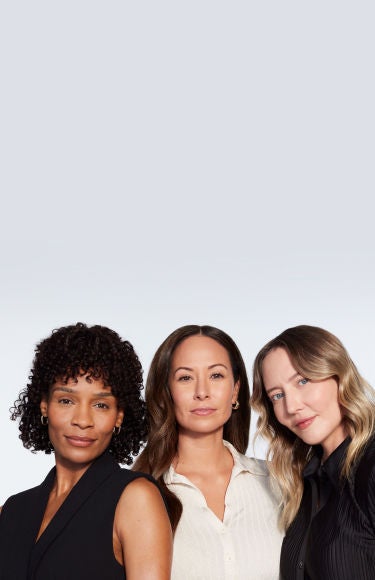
(221, 504)
(318, 415)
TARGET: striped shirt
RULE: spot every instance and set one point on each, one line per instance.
(245, 545)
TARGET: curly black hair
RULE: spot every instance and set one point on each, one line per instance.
(77, 350)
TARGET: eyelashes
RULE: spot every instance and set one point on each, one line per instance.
(277, 397)
(67, 402)
(186, 378)
(280, 395)
(303, 381)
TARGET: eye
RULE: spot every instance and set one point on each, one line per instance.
(276, 397)
(101, 405)
(184, 378)
(65, 402)
(303, 381)
(217, 376)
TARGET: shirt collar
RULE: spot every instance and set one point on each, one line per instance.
(239, 465)
(331, 467)
(240, 462)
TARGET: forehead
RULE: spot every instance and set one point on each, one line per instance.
(82, 383)
(200, 350)
(277, 365)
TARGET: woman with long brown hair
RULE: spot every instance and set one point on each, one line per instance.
(318, 415)
(221, 503)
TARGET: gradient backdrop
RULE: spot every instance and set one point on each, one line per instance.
(166, 163)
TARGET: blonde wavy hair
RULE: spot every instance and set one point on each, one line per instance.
(317, 355)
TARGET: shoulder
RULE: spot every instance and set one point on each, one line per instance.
(258, 479)
(123, 478)
(20, 499)
(364, 481)
(18, 506)
(141, 513)
(140, 501)
(256, 467)
(244, 463)
(140, 489)
(364, 473)
(128, 475)
(143, 485)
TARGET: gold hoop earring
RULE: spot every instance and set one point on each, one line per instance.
(44, 420)
(235, 405)
(116, 430)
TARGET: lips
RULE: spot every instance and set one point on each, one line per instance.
(304, 423)
(203, 411)
(80, 441)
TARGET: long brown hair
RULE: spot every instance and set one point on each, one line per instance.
(317, 355)
(162, 442)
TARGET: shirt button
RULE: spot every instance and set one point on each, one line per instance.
(300, 564)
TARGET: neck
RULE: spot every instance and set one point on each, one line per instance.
(67, 476)
(200, 451)
(333, 443)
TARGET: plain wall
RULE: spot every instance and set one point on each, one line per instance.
(174, 163)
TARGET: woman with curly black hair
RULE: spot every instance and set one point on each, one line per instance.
(89, 518)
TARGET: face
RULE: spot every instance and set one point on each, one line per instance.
(81, 417)
(308, 408)
(202, 385)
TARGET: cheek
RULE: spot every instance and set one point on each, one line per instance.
(178, 404)
(55, 420)
(278, 411)
(335, 409)
(178, 397)
(106, 422)
(325, 400)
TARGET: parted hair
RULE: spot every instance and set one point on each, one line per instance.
(78, 350)
(162, 444)
(316, 354)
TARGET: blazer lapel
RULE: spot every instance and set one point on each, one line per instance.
(96, 474)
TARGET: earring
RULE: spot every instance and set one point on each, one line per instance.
(116, 430)
(235, 405)
(44, 420)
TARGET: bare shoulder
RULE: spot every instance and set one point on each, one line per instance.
(141, 513)
(140, 490)
(141, 500)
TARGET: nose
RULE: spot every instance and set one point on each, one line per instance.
(201, 389)
(293, 402)
(82, 416)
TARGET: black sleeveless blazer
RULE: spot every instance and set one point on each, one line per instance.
(77, 543)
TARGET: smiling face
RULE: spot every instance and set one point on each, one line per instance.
(81, 417)
(202, 385)
(308, 408)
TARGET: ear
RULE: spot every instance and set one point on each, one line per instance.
(44, 406)
(236, 390)
(120, 417)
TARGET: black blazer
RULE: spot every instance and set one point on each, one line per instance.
(77, 544)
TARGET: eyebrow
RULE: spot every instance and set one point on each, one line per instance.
(209, 368)
(294, 376)
(72, 392)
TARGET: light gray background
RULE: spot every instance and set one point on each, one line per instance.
(183, 162)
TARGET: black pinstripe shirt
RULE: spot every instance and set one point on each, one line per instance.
(333, 534)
